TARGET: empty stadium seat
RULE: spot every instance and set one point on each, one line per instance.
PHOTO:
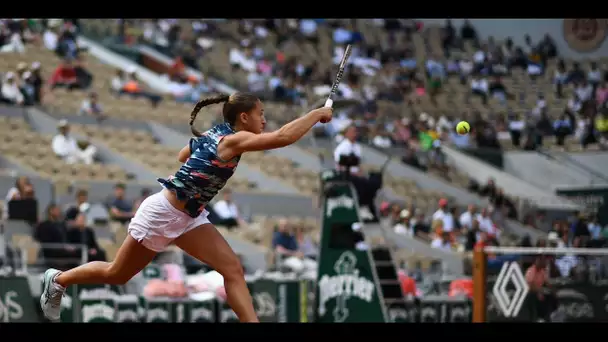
(17, 140)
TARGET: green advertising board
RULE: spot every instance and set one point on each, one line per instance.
(347, 285)
(282, 298)
(593, 199)
(16, 301)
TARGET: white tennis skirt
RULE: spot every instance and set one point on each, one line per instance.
(157, 223)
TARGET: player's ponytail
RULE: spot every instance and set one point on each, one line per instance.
(202, 103)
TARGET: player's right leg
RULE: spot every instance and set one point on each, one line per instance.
(131, 258)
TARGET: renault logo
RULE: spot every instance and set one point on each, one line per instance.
(510, 305)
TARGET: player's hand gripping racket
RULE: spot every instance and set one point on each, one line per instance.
(334, 87)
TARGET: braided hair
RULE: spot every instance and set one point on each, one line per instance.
(234, 105)
(202, 103)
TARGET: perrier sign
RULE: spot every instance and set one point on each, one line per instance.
(346, 284)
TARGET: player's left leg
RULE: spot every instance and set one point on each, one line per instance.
(209, 246)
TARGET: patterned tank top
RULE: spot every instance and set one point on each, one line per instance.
(204, 174)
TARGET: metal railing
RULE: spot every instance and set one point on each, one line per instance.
(19, 259)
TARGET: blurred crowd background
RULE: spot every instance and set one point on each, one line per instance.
(92, 111)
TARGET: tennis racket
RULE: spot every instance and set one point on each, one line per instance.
(334, 87)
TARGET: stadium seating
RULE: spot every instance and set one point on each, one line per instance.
(131, 143)
(17, 141)
(453, 99)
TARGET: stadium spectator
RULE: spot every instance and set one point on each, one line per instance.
(287, 251)
(227, 211)
(466, 219)
(442, 242)
(67, 148)
(132, 87)
(601, 94)
(11, 93)
(121, 210)
(91, 106)
(437, 160)
(37, 82)
(79, 233)
(23, 185)
(306, 244)
(81, 206)
(145, 193)
(118, 81)
(67, 46)
(420, 227)
(380, 139)
(52, 235)
(403, 226)
(410, 158)
(601, 125)
(28, 89)
(10, 40)
(468, 32)
(21, 203)
(486, 223)
(516, 126)
(562, 127)
(473, 235)
(189, 89)
(83, 76)
(348, 147)
(50, 37)
(20, 70)
(442, 211)
(64, 76)
(560, 78)
(480, 87)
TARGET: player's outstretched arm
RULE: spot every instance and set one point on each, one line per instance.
(242, 141)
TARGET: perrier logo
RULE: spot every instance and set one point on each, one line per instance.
(342, 201)
(343, 286)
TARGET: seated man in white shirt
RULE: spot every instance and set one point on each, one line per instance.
(227, 211)
(10, 90)
(466, 218)
(366, 187)
(486, 224)
(66, 147)
(480, 87)
(348, 147)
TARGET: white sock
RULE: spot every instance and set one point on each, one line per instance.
(57, 286)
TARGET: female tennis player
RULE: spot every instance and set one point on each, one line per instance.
(177, 213)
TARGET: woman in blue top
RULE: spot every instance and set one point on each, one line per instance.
(177, 215)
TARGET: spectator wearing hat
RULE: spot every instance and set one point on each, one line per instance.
(37, 81)
(403, 226)
(11, 93)
(442, 210)
(66, 147)
(21, 68)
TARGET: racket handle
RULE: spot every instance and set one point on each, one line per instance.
(329, 103)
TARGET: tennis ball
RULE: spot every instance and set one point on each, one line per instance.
(463, 128)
